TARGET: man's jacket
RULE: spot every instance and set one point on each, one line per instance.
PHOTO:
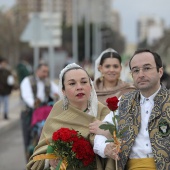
(158, 125)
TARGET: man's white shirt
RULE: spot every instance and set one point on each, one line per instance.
(142, 145)
(27, 93)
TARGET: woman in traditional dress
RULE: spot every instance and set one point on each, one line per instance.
(79, 107)
(107, 82)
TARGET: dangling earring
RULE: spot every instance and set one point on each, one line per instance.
(101, 78)
(65, 103)
(89, 103)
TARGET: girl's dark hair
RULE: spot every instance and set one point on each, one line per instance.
(74, 68)
(156, 56)
(110, 55)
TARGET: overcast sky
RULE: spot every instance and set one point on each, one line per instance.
(130, 11)
(7, 3)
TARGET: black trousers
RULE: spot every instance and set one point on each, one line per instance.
(26, 116)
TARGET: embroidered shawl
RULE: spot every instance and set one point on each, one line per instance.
(70, 118)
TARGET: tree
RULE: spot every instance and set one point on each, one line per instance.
(110, 39)
(11, 28)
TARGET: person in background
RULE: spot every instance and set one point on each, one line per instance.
(165, 79)
(23, 68)
(107, 80)
(77, 108)
(36, 91)
(6, 85)
(146, 114)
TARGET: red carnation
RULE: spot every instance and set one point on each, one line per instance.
(64, 134)
(112, 103)
(71, 146)
(86, 154)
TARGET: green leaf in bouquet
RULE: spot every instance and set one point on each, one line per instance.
(106, 126)
(58, 166)
(50, 149)
(109, 127)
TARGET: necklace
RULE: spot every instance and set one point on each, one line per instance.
(85, 110)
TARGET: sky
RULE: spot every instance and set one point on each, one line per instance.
(130, 11)
(7, 3)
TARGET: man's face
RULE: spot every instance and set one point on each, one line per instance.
(4, 64)
(144, 72)
(43, 72)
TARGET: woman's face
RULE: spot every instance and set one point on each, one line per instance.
(77, 87)
(110, 69)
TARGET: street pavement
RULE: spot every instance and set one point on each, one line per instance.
(12, 155)
(14, 112)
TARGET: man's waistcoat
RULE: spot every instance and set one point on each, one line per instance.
(158, 125)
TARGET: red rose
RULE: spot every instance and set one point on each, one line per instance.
(112, 103)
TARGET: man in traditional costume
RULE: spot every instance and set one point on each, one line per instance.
(146, 114)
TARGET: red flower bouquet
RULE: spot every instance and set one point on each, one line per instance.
(72, 149)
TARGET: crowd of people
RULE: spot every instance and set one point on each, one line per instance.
(79, 103)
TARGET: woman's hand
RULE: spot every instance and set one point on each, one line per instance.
(94, 127)
(54, 162)
(111, 151)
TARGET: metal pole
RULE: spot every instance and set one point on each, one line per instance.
(98, 28)
(94, 41)
(74, 31)
(36, 56)
(36, 46)
(51, 47)
(96, 31)
(87, 32)
(99, 40)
